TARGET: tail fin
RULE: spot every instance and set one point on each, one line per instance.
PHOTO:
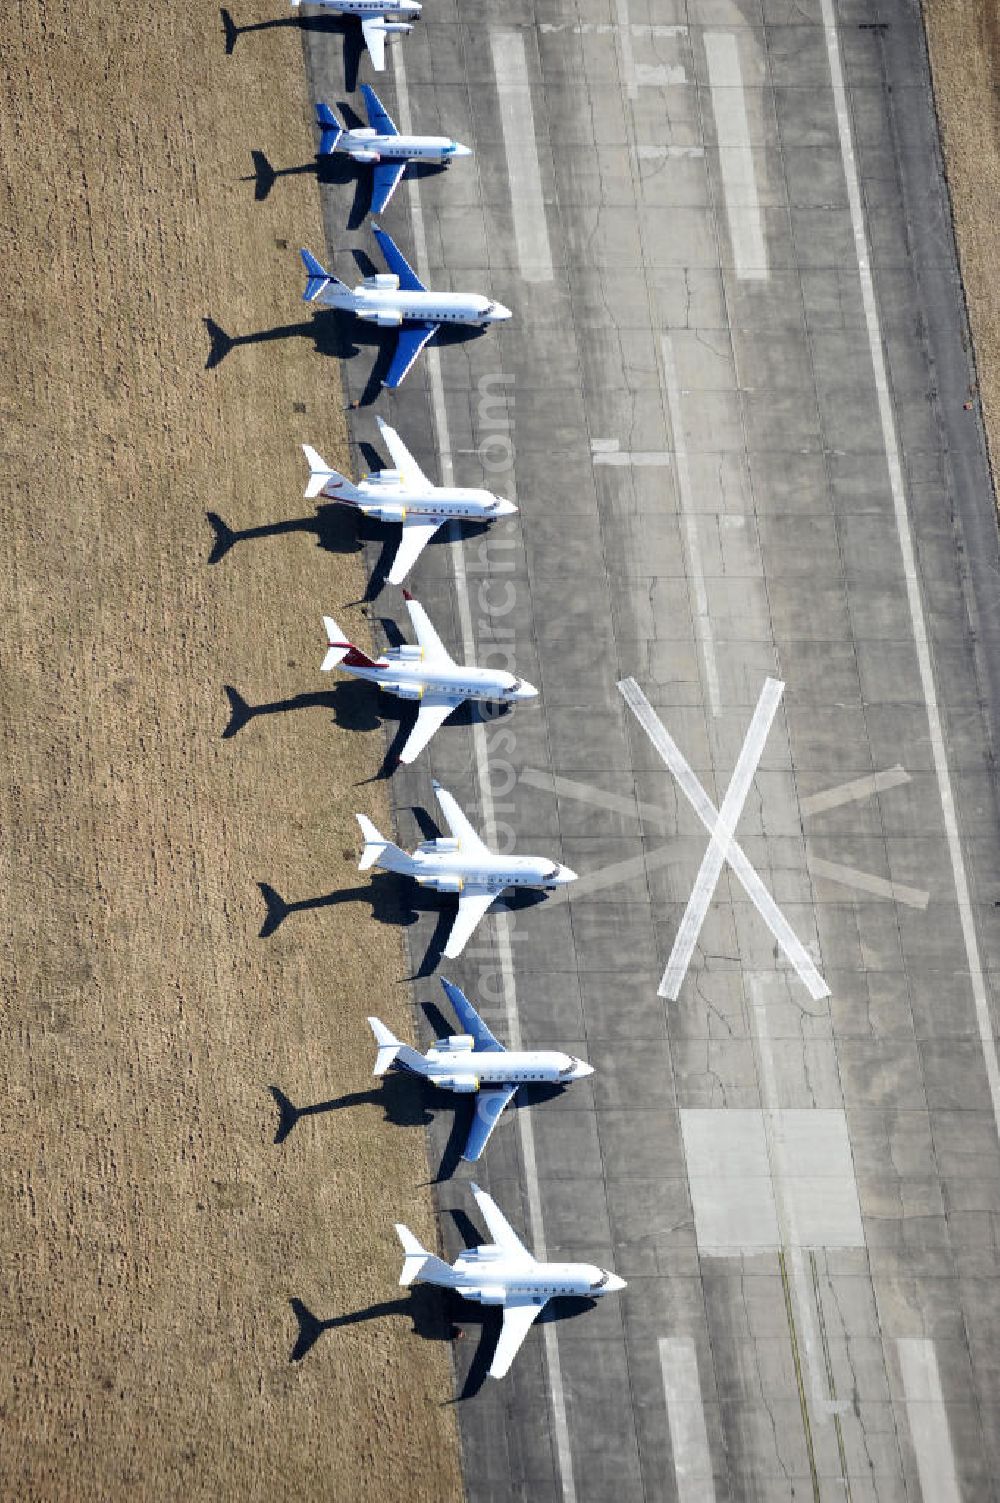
(340, 650)
(320, 476)
(420, 1264)
(381, 852)
(318, 279)
(391, 1049)
(330, 129)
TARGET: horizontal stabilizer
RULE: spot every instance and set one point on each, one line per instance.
(330, 129)
(320, 475)
(420, 1264)
(339, 649)
(317, 277)
(381, 852)
(392, 1050)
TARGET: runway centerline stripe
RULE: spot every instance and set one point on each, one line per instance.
(524, 177)
(686, 1418)
(739, 182)
(699, 800)
(564, 1460)
(890, 442)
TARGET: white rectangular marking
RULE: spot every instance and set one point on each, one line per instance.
(564, 1456)
(524, 174)
(722, 838)
(928, 1420)
(702, 619)
(755, 890)
(686, 1418)
(878, 887)
(854, 791)
(890, 444)
(739, 183)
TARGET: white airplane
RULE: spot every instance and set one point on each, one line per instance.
(426, 673)
(503, 1272)
(404, 494)
(397, 299)
(380, 142)
(379, 19)
(462, 864)
(476, 1061)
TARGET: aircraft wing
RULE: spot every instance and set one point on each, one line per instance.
(411, 340)
(403, 461)
(517, 1322)
(416, 534)
(489, 1109)
(434, 710)
(470, 1020)
(500, 1229)
(373, 30)
(385, 181)
(397, 262)
(468, 840)
(472, 904)
(378, 117)
(430, 643)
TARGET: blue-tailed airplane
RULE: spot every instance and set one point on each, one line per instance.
(397, 299)
(379, 19)
(381, 143)
(476, 1061)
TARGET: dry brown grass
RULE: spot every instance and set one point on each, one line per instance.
(152, 1235)
(964, 41)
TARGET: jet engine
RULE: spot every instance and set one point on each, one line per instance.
(382, 281)
(444, 843)
(388, 319)
(371, 156)
(409, 653)
(383, 477)
(406, 691)
(463, 1085)
(456, 1043)
(386, 512)
(442, 884)
(488, 1294)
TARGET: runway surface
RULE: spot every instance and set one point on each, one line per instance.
(731, 408)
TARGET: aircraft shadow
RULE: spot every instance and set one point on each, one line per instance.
(332, 25)
(401, 1097)
(335, 171)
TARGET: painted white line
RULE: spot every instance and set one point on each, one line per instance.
(608, 451)
(523, 172)
(890, 443)
(928, 1419)
(686, 1418)
(849, 876)
(699, 800)
(739, 183)
(625, 45)
(502, 929)
(702, 619)
(854, 791)
(719, 846)
(584, 792)
(660, 153)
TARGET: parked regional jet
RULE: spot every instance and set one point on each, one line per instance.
(460, 863)
(404, 494)
(380, 142)
(397, 299)
(476, 1061)
(505, 1273)
(426, 673)
(379, 19)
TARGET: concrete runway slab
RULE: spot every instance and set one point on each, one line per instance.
(734, 423)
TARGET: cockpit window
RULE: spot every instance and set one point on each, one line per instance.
(601, 1281)
(552, 874)
(568, 1067)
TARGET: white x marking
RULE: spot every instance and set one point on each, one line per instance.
(721, 824)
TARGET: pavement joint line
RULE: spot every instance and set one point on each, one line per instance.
(723, 833)
(877, 887)
(784, 1205)
(739, 182)
(686, 1420)
(856, 790)
(890, 442)
(625, 47)
(564, 1458)
(928, 1420)
(524, 176)
(702, 615)
(699, 800)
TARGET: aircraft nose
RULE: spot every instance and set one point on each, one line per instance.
(506, 508)
(458, 150)
(499, 311)
(527, 691)
(582, 1070)
(566, 874)
(614, 1284)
